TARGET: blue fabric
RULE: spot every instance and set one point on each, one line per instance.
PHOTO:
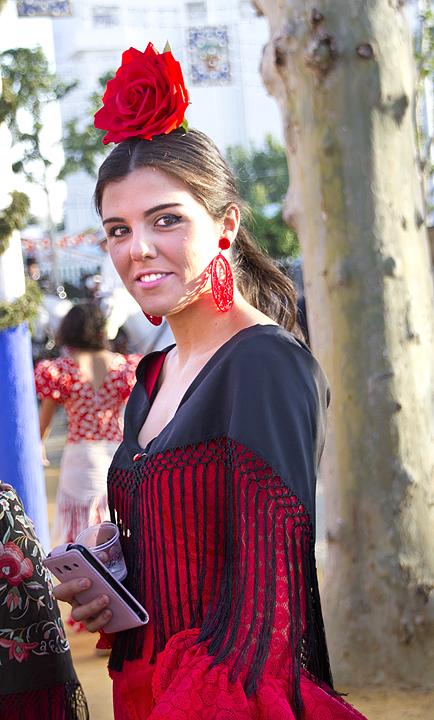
(20, 454)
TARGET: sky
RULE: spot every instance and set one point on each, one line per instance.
(29, 32)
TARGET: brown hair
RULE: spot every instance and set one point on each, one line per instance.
(83, 327)
(195, 160)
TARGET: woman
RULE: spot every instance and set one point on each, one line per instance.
(213, 485)
(92, 384)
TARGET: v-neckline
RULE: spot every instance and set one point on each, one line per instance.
(143, 451)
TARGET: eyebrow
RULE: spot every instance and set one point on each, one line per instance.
(152, 210)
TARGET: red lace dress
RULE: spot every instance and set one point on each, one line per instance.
(219, 548)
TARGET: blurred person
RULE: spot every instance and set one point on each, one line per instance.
(90, 284)
(37, 677)
(92, 383)
(32, 267)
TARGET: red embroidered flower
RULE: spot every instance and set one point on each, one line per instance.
(147, 97)
(18, 649)
(14, 568)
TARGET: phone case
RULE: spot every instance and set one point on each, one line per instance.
(68, 562)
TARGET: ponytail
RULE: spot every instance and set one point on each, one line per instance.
(261, 283)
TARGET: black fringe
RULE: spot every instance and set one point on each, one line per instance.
(61, 702)
(317, 660)
(237, 506)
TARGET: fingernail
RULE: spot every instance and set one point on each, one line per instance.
(106, 614)
(84, 583)
(103, 600)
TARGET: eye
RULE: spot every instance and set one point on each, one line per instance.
(167, 220)
(117, 231)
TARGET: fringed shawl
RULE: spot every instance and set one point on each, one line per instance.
(217, 514)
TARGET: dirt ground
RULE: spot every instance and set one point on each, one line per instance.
(402, 705)
(375, 704)
(92, 669)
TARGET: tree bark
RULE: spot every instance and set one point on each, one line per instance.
(342, 72)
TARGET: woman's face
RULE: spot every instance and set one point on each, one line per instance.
(160, 239)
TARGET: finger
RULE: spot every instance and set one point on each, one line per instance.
(90, 610)
(99, 621)
(103, 556)
(67, 591)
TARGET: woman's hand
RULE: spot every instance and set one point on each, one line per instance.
(95, 614)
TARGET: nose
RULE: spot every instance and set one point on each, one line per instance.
(141, 246)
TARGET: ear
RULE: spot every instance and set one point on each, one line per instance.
(231, 222)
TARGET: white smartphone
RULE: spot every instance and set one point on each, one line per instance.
(72, 561)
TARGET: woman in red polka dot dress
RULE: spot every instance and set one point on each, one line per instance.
(93, 385)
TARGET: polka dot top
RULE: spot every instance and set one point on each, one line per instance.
(92, 414)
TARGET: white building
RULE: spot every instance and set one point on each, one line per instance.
(219, 44)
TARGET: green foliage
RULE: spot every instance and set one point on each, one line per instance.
(24, 309)
(424, 49)
(13, 217)
(262, 177)
(262, 174)
(28, 85)
(82, 142)
(273, 235)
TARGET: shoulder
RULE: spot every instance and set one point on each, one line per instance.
(125, 362)
(267, 357)
(54, 378)
(123, 373)
(55, 368)
(274, 397)
(260, 342)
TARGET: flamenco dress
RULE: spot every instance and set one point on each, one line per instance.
(217, 524)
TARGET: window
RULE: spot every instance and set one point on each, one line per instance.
(105, 16)
(196, 11)
(33, 8)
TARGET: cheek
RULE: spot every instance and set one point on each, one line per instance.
(195, 260)
(198, 253)
(119, 255)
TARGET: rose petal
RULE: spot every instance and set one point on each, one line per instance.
(147, 97)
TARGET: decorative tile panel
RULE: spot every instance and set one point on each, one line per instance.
(48, 8)
(208, 52)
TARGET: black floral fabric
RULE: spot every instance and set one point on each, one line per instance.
(36, 671)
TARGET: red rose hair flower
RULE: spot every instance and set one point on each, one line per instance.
(147, 97)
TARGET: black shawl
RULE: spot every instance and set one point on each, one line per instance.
(236, 469)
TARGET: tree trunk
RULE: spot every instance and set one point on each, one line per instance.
(342, 72)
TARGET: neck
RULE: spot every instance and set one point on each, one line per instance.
(201, 328)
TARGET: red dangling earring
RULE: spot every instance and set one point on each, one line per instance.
(154, 319)
(222, 280)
